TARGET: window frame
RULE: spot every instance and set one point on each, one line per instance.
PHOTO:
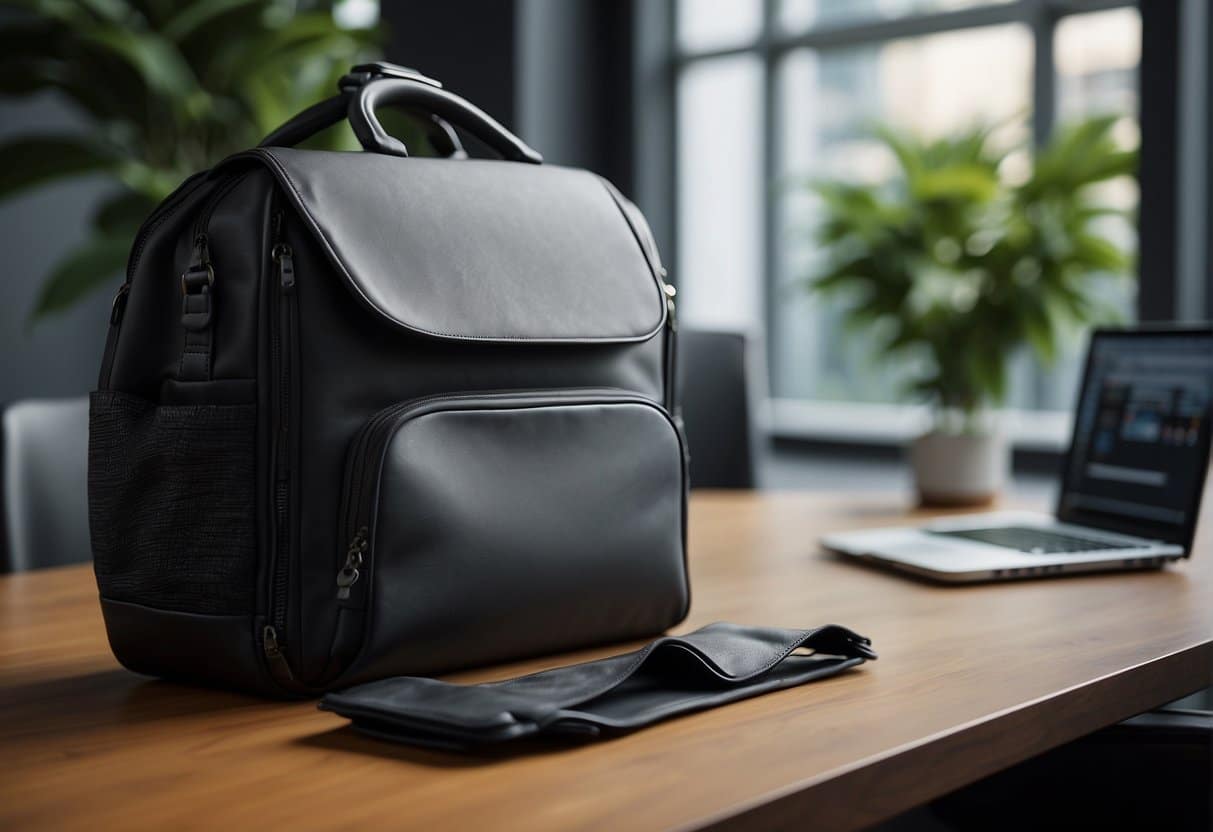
(661, 62)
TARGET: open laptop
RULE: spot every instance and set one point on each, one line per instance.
(1131, 486)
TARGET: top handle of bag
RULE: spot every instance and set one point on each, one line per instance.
(370, 86)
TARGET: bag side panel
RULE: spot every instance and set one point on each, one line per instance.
(175, 469)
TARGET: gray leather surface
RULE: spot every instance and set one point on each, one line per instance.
(712, 666)
(546, 527)
(478, 250)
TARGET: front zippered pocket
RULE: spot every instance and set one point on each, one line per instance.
(476, 485)
(282, 354)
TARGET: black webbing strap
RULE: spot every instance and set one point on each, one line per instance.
(197, 301)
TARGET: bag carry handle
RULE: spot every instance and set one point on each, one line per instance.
(422, 96)
(309, 122)
(332, 110)
(370, 86)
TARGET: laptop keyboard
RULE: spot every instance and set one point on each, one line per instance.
(1035, 541)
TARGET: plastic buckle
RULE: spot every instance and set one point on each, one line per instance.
(362, 74)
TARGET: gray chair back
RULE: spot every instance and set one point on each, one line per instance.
(716, 395)
(45, 484)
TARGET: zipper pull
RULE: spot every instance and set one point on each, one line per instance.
(349, 574)
(202, 253)
(670, 292)
(273, 655)
(286, 266)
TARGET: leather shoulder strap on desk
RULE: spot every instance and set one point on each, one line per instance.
(715, 665)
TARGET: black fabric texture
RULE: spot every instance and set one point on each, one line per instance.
(171, 506)
(715, 665)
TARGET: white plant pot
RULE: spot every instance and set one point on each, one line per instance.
(959, 469)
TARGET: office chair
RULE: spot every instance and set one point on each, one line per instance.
(45, 484)
(716, 394)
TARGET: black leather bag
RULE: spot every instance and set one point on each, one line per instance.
(363, 415)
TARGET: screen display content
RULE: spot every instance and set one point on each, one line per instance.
(1141, 435)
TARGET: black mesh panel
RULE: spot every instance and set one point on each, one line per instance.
(171, 506)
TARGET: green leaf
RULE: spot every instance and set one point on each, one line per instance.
(906, 148)
(310, 36)
(158, 63)
(194, 16)
(150, 180)
(37, 160)
(95, 263)
(80, 12)
(1039, 330)
(1098, 253)
(964, 183)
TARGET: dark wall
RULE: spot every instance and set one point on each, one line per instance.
(468, 45)
(575, 76)
(557, 72)
(1159, 161)
(1176, 174)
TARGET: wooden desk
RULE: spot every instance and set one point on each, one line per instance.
(970, 680)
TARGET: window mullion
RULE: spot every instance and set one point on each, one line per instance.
(770, 163)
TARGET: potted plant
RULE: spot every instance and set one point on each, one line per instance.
(170, 88)
(953, 263)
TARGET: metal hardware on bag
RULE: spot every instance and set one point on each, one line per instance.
(670, 291)
(349, 574)
(119, 306)
(187, 278)
(273, 655)
(286, 266)
(202, 252)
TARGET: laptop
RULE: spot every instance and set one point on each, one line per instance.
(1131, 485)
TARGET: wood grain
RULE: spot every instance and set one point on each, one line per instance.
(970, 680)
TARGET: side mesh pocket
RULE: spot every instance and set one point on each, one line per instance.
(171, 503)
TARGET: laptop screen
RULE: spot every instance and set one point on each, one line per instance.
(1140, 450)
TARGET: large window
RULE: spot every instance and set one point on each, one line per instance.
(769, 93)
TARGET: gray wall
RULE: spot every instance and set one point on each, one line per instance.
(57, 356)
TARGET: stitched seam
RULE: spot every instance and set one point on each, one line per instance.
(285, 177)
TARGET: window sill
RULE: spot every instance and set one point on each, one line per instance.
(863, 423)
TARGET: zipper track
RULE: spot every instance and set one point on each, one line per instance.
(203, 220)
(158, 217)
(281, 341)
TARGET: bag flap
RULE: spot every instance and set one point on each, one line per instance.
(477, 249)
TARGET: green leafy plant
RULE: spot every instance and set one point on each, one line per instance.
(170, 88)
(951, 263)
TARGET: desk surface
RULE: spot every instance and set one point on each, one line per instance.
(970, 680)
